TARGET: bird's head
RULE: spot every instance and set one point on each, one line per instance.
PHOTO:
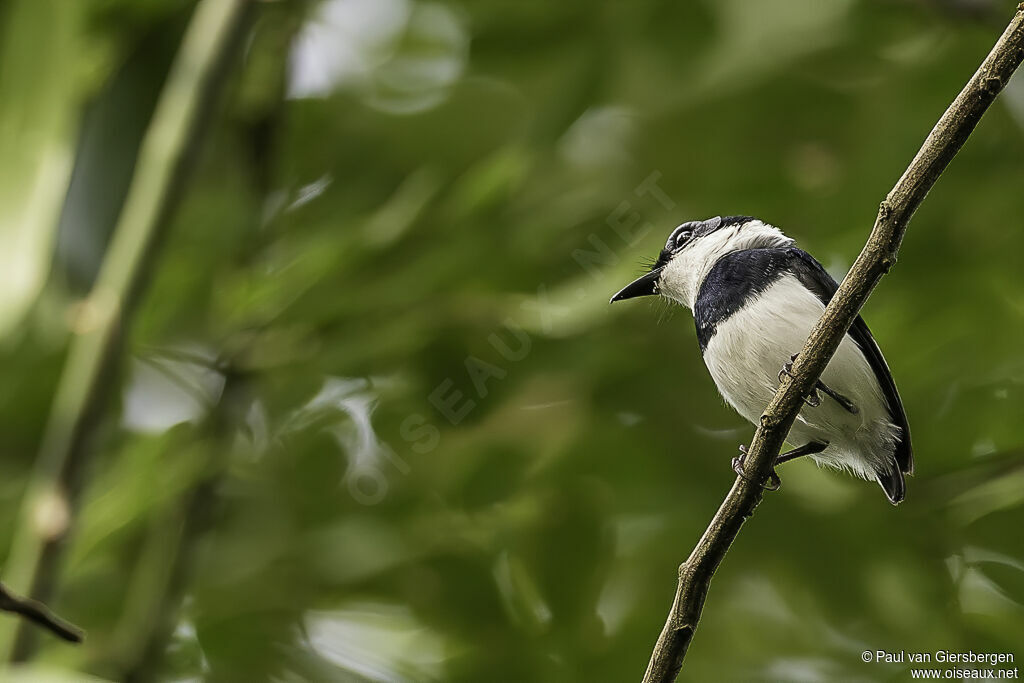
(693, 248)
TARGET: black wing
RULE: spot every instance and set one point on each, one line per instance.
(813, 276)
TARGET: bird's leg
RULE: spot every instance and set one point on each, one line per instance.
(774, 482)
(812, 399)
(807, 449)
(846, 403)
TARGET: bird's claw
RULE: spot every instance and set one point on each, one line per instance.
(787, 370)
(773, 483)
(812, 399)
(737, 462)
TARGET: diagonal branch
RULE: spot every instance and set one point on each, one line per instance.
(877, 257)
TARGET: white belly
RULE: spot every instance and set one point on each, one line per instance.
(749, 349)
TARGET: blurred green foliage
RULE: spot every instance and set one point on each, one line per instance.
(410, 211)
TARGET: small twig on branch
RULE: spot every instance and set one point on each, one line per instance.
(877, 257)
(38, 613)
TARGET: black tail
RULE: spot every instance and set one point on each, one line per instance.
(892, 483)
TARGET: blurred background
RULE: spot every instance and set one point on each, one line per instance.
(309, 374)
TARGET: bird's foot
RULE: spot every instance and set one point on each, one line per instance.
(812, 399)
(737, 462)
(773, 484)
(787, 367)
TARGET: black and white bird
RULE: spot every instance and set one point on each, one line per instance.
(755, 297)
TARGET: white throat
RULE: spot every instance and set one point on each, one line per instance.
(682, 277)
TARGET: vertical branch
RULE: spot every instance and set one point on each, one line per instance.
(156, 592)
(173, 134)
(162, 576)
(877, 257)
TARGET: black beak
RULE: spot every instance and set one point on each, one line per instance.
(645, 285)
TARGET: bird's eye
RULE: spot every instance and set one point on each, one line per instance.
(682, 238)
(679, 238)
